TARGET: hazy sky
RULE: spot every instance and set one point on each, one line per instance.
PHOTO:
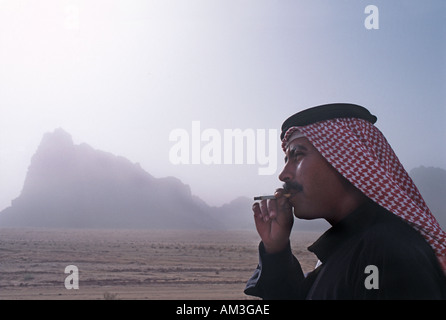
(122, 75)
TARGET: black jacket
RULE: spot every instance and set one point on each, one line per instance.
(403, 264)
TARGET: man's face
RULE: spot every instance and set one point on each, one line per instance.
(316, 188)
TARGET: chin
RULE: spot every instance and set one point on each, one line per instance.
(305, 217)
(300, 214)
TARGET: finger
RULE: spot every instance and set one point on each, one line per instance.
(282, 200)
(272, 208)
(264, 210)
(257, 211)
(279, 192)
(261, 226)
(283, 207)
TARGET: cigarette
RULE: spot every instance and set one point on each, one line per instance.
(286, 195)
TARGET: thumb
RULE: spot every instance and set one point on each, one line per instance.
(284, 207)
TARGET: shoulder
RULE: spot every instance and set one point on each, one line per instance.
(392, 238)
(407, 264)
(393, 245)
(390, 232)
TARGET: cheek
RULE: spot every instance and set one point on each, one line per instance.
(317, 178)
(307, 173)
(328, 183)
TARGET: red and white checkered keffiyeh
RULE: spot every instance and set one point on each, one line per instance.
(360, 152)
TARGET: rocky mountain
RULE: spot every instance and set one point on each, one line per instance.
(431, 183)
(76, 186)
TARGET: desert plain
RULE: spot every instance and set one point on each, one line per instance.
(133, 264)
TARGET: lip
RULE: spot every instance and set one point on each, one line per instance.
(293, 194)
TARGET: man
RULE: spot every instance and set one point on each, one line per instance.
(384, 242)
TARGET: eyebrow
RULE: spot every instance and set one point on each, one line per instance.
(296, 147)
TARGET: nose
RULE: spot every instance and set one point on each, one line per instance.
(287, 173)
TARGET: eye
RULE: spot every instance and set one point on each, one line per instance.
(294, 155)
(297, 154)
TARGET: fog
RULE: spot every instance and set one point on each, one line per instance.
(123, 75)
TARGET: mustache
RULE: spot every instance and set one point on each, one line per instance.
(289, 185)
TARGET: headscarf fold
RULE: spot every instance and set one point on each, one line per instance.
(360, 152)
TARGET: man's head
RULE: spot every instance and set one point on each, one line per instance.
(317, 189)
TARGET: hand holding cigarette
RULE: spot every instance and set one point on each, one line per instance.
(273, 218)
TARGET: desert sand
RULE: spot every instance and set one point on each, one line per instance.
(133, 264)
